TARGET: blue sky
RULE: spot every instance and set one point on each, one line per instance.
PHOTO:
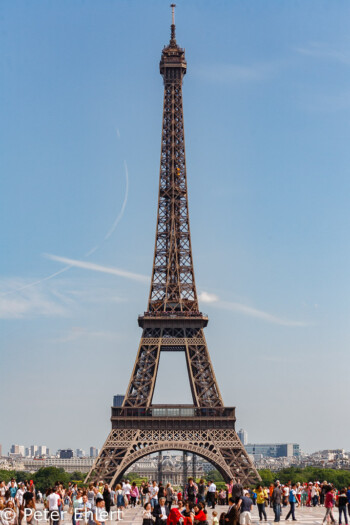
(266, 103)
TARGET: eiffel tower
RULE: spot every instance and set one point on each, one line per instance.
(173, 323)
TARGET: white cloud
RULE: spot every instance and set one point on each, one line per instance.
(247, 310)
(99, 268)
(325, 51)
(33, 302)
(206, 297)
(78, 332)
(60, 298)
(258, 314)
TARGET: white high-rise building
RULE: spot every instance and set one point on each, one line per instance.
(243, 436)
(42, 450)
(80, 453)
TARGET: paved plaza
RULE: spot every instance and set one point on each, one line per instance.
(307, 515)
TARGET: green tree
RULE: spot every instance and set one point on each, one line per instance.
(214, 475)
(46, 477)
(340, 478)
(6, 475)
(267, 477)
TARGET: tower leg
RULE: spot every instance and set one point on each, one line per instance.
(194, 466)
(160, 470)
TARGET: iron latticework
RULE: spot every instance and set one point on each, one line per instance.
(173, 323)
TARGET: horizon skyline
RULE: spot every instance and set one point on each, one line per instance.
(266, 115)
(75, 448)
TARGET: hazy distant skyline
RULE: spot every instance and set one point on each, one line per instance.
(266, 108)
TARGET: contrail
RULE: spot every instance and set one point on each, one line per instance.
(87, 254)
(120, 214)
(99, 268)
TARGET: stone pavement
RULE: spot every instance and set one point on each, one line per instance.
(304, 515)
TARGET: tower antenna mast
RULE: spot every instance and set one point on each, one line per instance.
(173, 38)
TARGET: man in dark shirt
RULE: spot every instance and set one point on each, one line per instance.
(237, 491)
(161, 512)
(348, 496)
(276, 501)
(246, 507)
(232, 515)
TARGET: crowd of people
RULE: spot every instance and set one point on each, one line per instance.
(162, 504)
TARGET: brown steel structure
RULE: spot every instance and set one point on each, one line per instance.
(173, 323)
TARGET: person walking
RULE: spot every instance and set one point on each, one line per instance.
(161, 490)
(245, 517)
(276, 500)
(120, 499)
(232, 514)
(107, 498)
(20, 502)
(53, 500)
(342, 502)
(134, 494)
(154, 494)
(329, 504)
(261, 498)
(142, 495)
(286, 490)
(161, 512)
(147, 518)
(201, 491)
(292, 502)
(229, 489)
(211, 494)
(237, 491)
(169, 495)
(146, 494)
(191, 491)
(99, 512)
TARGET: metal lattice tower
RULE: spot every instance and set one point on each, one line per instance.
(173, 323)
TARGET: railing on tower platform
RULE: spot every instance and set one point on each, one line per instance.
(174, 411)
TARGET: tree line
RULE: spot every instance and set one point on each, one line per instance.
(47, 476)
(44, 478)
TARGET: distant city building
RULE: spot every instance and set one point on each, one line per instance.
(42, 450)
(80, 453)
(17, 450)
(273, 450)
(94, 452)
(66, 453)
(27, 452)
(330, 454)
(118, 400)
(243, 436)
(171, 468)
(33, 450)
(69, 465)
